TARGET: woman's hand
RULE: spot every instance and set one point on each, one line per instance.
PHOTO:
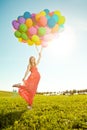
(23, 79)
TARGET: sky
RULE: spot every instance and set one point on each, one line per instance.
(63, 64)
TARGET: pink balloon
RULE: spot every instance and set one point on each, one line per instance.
(44, 44)
(48, 37)
(33, 17)
(32, 30)
(36, 26)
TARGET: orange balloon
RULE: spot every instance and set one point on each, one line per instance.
(51, 13)
(38, 43)
(29, 22)
(55, 28)
(37, 16)
(42, 21)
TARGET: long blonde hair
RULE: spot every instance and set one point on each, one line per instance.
(30, 62)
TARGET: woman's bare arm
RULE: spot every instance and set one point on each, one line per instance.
(40, 53)
(26, 72)
(38, 61)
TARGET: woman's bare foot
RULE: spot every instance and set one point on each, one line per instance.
(16, 85)
(29, 107)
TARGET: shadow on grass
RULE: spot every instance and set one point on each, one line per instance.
(8, 119)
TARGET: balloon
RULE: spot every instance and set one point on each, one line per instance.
(32, 30)
(23, 28)
(42, 21)
(35, 38)
(15, 24)
(37, 16)
(29, 22)
(33, 17)
(47, 11)
(17, 34)
(51, 13)
(47, 37)
(55, 17)
(61, 20)
(38, 43)
(21, 20)
(38, 28)
(57, 13)
(42, 13)
(44, 44)
(24, 36)
(20, 39)
(51, 22)
(27, 15)
(55, 28)
(41, 31)
(47, 17)
(30, 42)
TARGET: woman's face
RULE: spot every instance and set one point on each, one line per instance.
(32, 60)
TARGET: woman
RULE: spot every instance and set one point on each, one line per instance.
(29, 87)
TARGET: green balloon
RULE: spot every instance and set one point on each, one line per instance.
(17, 34)
(23, 28)
(24, 36)
(41, 31)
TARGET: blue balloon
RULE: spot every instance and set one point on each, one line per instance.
(47, 16)
(55, 17)
(47, 11)
(27, 15)
(19, 17)
(51, 22)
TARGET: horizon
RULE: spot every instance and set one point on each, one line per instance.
(63, 65)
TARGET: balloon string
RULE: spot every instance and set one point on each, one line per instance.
(38, 49)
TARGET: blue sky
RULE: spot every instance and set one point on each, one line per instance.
(64, 62)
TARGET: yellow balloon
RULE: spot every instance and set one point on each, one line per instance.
(57, 12)
(61, 20)
(35, 38)
(42, 13)
(20, 39)
(30, 42)
(37, 16)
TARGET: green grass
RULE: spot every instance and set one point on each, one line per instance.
(49, 112)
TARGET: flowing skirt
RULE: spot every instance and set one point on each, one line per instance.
(28, 90)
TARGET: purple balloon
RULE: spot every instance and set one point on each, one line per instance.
(15, 24)
(21, 20)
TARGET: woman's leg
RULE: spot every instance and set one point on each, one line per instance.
(16, 85)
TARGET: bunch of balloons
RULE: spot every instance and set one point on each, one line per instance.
(38, 28)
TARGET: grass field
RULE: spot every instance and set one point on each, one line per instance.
(60, 112)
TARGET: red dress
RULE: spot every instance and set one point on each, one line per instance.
(28, 90)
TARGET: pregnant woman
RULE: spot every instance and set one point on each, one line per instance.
(29, 87)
